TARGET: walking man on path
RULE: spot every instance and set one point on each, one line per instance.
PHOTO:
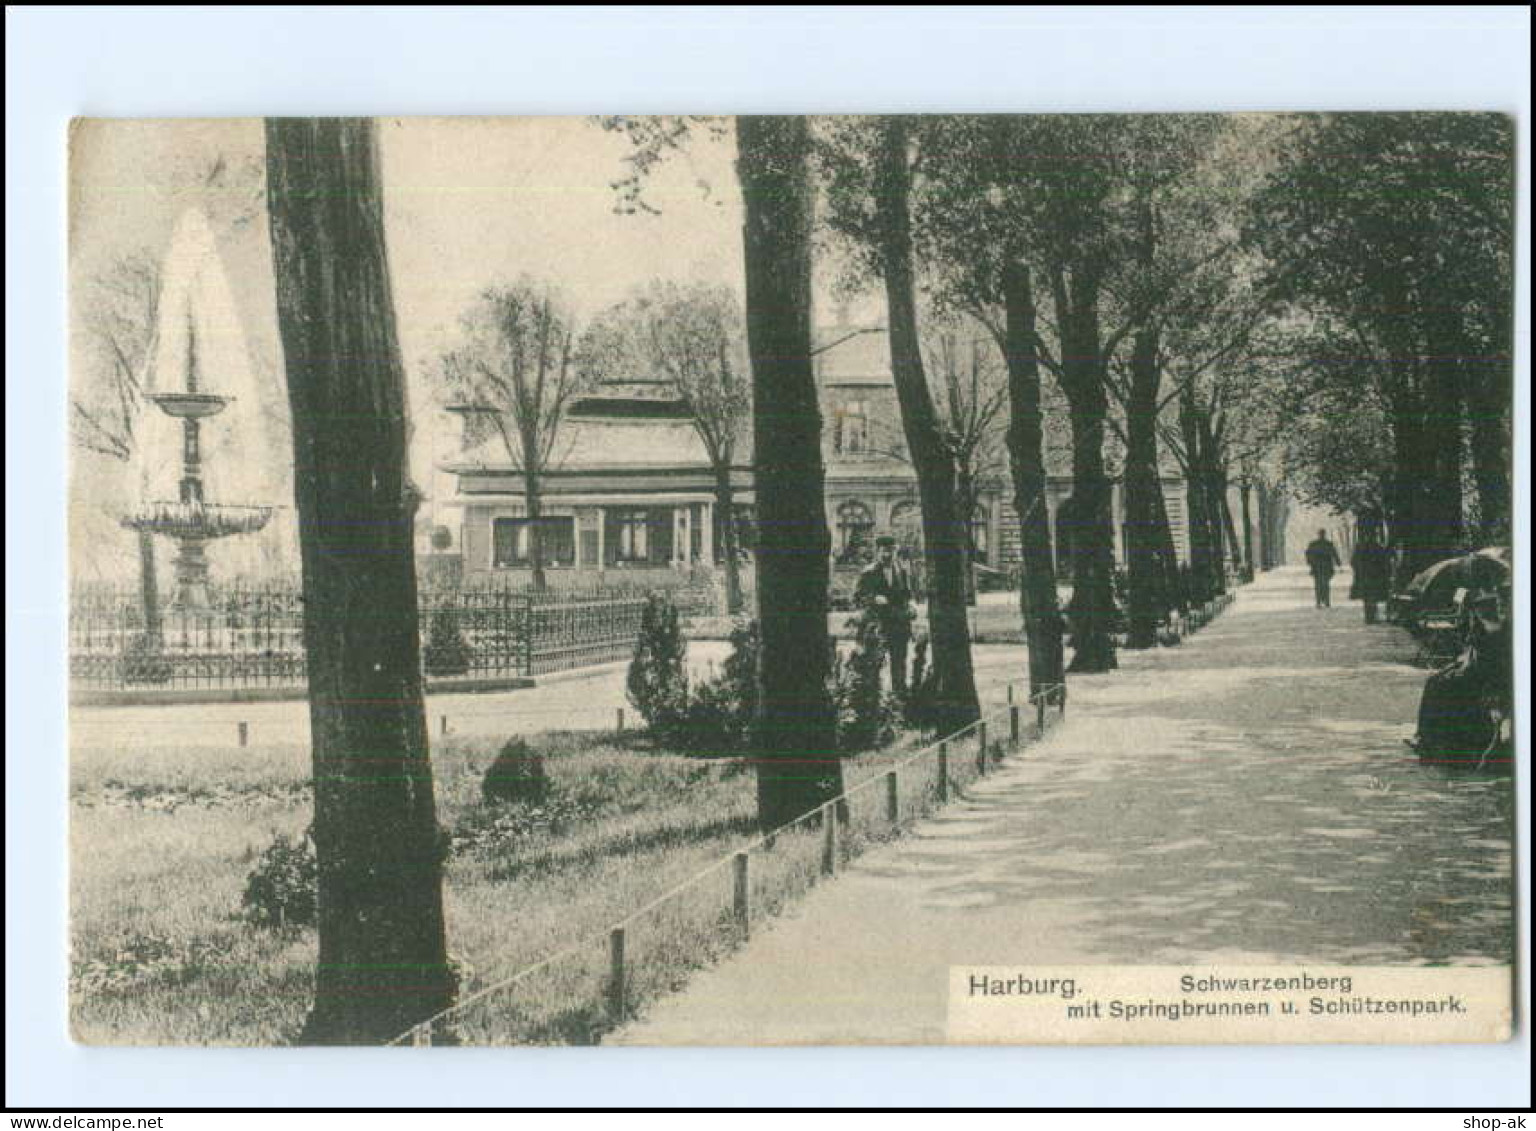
(1372, 566)
(886, 591)
(1322, 560)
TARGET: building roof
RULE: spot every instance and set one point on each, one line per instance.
(853, 355)
(588, 443)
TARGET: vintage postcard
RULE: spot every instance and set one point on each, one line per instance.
(1025, 579)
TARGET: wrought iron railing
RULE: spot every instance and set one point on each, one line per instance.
(253, 637)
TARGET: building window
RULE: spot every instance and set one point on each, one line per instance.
(850, 432)
(512, 540)
(855, 530)
(629, 534)
(907, 526)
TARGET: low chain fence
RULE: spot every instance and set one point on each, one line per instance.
(254, 637)
(596, 984)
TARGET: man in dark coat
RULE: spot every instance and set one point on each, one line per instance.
(886, 591)
(1322, 560)
(1372, 566)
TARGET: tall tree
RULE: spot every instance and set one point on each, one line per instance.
(870, 203)
(1078, 174)
(121, 311)
(970, 392)
(976, 223)
(946, 535)
(795, 729)
(516, 371)
(1176, 268)
(691, 339)
(1021, 346)
(383, 963)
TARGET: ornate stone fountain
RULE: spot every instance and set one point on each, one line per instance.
(190, 520)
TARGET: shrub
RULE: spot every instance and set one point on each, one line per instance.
(143, 660)
(280, 890)
(919, 709)
(447, 652)
(658, 674)
(709, 725)
(517, 775)
(720, 710)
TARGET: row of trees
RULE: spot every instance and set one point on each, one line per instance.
(1387, 245)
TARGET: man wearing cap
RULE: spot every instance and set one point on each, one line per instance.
(886, 591)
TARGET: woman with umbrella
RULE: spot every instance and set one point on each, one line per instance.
(1464, 713)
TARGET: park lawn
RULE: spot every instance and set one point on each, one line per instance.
(162, 842)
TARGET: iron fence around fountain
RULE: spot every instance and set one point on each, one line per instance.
(251, 637)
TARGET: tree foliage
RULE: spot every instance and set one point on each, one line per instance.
(1396, 230)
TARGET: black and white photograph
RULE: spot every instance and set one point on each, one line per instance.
(782, 580)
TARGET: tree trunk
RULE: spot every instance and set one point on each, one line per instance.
(1173, 578)
(1232, 545)
(966, 500)
(946, 532)
(1145, 569)
(533, 496)
(383, 962)
(149, 591)
(1487, 386)
(1427, 444)
(1267, 543)
(725, 507)
(1202, 533)
(1403, 490)
(1037, 573)
(796, 729)
(1219, 518)
(1088, 512)
(1248, 563)
(1488, 408)
(1443, 496)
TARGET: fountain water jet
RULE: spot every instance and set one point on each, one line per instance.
(194, 280)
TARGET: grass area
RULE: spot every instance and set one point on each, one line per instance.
(162, 842)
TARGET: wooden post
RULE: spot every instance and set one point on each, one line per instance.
(741, 902)
(616, 989)
(943, 771)
(245, 733)
(892, 797)
(443, 724)
(1040, 710)
(1013, 724)
(981, 748)
(619, 719)
(829, 839)
(1010, 693)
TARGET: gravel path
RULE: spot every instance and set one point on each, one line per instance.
(1243, 798)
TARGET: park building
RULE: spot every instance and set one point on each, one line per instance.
(629, 495)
